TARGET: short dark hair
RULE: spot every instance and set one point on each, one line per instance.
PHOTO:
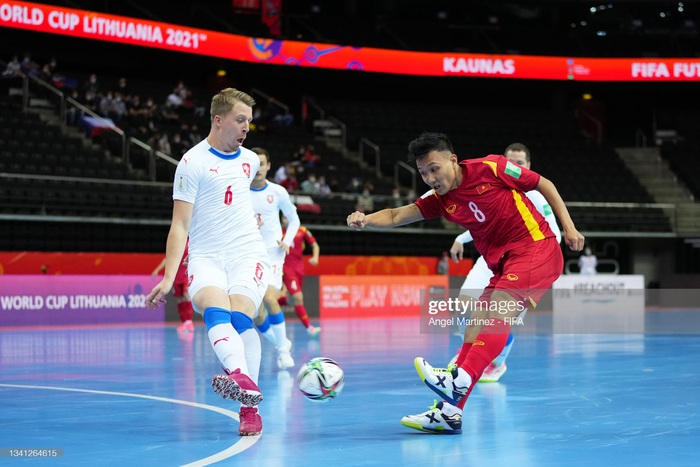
(518, 147)
(427, 142)
(261, 152)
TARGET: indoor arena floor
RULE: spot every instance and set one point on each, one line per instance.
(141, 396)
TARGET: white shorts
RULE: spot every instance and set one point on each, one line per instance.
(245, 273)
(478, 278)
(277, 256)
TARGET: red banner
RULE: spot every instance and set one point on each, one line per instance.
(378, 296)
(101, 26)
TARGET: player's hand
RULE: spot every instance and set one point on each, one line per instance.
(156, 297)
(313, 261)
(574, 239)
(283, 246)
(356, 220)
(457, 251)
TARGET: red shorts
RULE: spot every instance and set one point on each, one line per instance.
(180, 289)
(293, 280)
(527, 273)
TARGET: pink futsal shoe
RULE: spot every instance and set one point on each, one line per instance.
(238, 387)
(250, 421)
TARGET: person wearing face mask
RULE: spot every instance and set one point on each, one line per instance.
(588, 262)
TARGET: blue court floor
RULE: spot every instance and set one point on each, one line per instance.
(141, 396)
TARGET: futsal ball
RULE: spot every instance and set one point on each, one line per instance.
(320, 379)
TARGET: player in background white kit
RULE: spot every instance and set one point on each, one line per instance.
(228, 268)
(480, 275)
(268, 200)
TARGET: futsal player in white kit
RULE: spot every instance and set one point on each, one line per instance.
(269, 199)
(480, 274)
(228, 268)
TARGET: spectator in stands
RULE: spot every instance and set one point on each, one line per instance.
(194, 134)
(324, 191)
(365, 201)
(122, 87)
(396, 199)
(118, 109)
(311, 157)
(92, 85)
(281, 173)
(310, 185)
(354, 186)
(13, 68)
(29, 66)
(291, 184)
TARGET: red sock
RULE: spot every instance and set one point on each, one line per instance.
(487, 346)
(303, 316)
(185, 310)
(282, 301)
(462, 355)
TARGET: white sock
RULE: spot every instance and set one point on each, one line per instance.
(228, 346)
(251, 342)
(463, 380)
(449, 409)
(270, 336)
(280, 331)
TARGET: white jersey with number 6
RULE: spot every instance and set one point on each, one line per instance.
(218, 185)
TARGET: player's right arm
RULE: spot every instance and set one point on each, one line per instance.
(386, 218)
(457, 250)
(175, 248)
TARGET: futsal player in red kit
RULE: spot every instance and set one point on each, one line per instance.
(486, 196)
(294, 271)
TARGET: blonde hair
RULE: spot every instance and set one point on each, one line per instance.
(223, 102)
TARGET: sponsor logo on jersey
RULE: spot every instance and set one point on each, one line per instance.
(451, 208)
(215, 170)
(513, 170)
(478, 342)
(270, 199)
(512, 277)
(482, 188)
(186, 160)
(246, 169)
(547, 210)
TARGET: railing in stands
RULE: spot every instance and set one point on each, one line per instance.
(364, 142)
(402, 165)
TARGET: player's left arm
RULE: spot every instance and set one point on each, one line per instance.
(315, 252)
(572, 237)
(290, 212)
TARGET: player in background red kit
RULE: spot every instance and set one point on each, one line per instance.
(182, 296)
(294, 271)
(485, 196)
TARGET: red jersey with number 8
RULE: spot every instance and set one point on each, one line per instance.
(491, 203)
